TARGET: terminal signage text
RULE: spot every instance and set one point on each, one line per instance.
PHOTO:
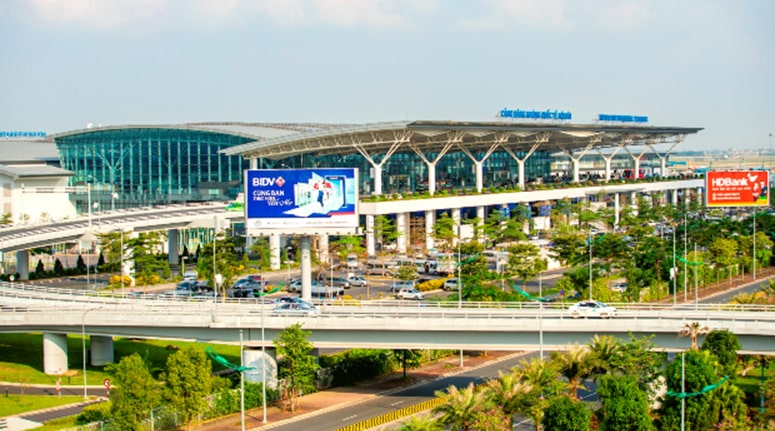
(623, 118)
(535, 115)
(21, 134)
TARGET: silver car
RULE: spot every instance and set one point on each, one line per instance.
(591, 309)
(295, 309)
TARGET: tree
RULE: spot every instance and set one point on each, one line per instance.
(624, 406)
(573, 363)
(421, 423)
(187, 383)
(296, 366)
(564, 414)
(693, 330)
(40, 269)
(385, 230)
(508, 392)
(444, 229)
(457, 410)
(146, 255)
(525, 261)
(603, 351)
(139, 393)
(544, 380)
(408, 359)
(347, 245)
(569, 248)
(724, 345)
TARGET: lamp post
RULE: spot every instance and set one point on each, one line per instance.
(696, 285)
(673, 271)
(686, 235)
(540, 318)
(590, 264)
(753, 256)
(241, 383)
(459, 279)
(263, 364)
(83, 349)
(88, 201)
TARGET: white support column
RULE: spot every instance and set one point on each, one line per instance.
(23, 264)
(456, 223)
(101, 350)
(664, 170)
(274, 252)
(541, 138)
(479, 164)
(430, 220)
(253, 163)
(634, 202)
(636, 161)
(173, 247)
(371, 248)
(323, 246)
(404, 137)
(674, 197)
(54, 353)
(401, 227)
(617, 209)
(609, 158)
(456, 137)
(480, 214)
(576, 159)
(306, 269)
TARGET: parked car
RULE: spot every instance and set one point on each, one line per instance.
(410, 293)
(619, 287)
(295, 285)
(334, 281)
(290, 300)
(450, 284)
(591, 309)
(295, 309)
(399, 284)
(357, 281)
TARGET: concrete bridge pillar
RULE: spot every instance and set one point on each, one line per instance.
(101, 350)
(430, 220)
(323, 246)
(264, 365)
(23, 264)
(54, 353)
(173, 247)
(371, 248)
(274, 252)
(402, 226)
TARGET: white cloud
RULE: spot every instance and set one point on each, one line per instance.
(543, 14)
(352, 13)
(96, 13)
(619, 14)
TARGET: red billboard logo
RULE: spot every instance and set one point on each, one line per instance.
(737, 188)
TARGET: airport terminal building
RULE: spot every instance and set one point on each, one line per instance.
(464, 168)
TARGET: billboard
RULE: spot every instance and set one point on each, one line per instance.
(737, 188)
(289, 199)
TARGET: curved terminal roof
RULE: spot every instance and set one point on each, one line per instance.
(433, 136)
(280, 140)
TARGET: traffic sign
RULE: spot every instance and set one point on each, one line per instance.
(106, 383)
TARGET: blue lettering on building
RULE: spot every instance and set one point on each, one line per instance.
(535, 115)
(21, 134)
(623, 118)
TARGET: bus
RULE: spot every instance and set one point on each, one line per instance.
(381, 268)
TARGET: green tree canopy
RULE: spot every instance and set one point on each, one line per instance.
(139, 393)
(296, 365)
(188, 382)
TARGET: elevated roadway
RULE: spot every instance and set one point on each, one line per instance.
(377, 324)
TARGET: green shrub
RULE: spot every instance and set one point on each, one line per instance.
(429, 285)
(94, 413)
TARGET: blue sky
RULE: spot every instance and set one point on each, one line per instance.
(697, 63)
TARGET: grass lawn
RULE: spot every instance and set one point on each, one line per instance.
(22, 358)
(15, 404)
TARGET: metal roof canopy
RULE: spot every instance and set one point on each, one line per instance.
(431, 136)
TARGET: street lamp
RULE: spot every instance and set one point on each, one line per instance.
(590, 264)
(83, 349)
(459, 278)
(241, 383)
(263, 364)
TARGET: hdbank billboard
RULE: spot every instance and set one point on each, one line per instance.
(737, 188)
(290, 199)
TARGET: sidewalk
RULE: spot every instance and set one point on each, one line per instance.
(329, 400)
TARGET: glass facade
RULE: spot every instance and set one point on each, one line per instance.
(406, 172)
(132, 167)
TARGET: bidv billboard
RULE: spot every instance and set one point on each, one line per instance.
(289, 199)
(737, 188)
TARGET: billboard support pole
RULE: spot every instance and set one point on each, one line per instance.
(306, 269)
(753, 256)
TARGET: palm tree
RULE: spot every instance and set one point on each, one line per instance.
(603, 351)
(457, 411)
(508, 392)
(543, 377)
(574, 365)
(421, 423)
(693, 330)
(769, 291)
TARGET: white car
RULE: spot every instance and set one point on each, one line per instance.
(409, 293)
(295, 309)
(619, 287)
(591, 309)
(358, 281)
(450, 284)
